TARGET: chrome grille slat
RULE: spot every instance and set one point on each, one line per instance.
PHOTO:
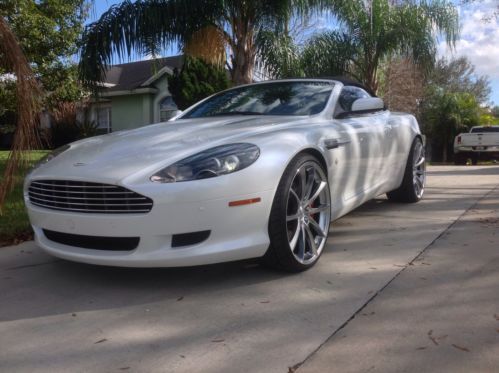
(78, 196)
(99, 211)
(75, 192)
(88, 204)
(74, 186)
(90, 198)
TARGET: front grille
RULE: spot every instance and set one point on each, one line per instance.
(82, 196)
(93, 242)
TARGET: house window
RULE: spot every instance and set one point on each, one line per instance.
(104, 118)
(167, 109)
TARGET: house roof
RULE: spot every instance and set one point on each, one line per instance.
(133, 75)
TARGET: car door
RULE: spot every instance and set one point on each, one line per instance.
(394, 155)
(363, 156)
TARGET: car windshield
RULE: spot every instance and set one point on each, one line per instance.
(279, 98)
(485, 129)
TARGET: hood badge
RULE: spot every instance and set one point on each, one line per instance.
(79, 164)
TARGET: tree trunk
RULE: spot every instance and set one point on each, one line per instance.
(444, 150)
(243, 63)
(28, 94)
(244, 54)
(370, 79)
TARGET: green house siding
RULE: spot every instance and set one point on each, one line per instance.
(131, 111)
(135, 94)
(133, 108)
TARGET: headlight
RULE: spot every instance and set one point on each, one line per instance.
(50, 156)
(217, 161)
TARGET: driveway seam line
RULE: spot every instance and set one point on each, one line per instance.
(293, 368)
(31, 265)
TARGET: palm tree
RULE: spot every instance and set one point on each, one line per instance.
(149, 25)
(13, 59)
(368, 33)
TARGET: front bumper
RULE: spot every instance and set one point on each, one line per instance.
(236, 233)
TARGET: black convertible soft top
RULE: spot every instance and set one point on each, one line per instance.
(342, 79)
(349, 82)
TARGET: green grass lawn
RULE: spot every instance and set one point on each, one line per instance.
(14, 224)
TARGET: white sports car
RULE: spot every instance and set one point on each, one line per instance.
(255, 171)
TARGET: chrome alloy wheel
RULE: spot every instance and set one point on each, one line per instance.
(418, 169)
(308, 212)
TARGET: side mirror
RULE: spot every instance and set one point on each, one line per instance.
(366, 105)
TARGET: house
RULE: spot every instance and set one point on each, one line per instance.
(135, 94)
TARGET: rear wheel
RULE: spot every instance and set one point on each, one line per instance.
(300, 216)
(460, 160)
(413, 184)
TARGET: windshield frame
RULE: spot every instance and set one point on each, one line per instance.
(327, 104)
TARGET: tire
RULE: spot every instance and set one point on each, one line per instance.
(412, 188)
(460, 160)
(300, 216)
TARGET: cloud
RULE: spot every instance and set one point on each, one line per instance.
(479, 39)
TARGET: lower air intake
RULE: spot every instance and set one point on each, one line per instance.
(93, 242)
(187, 239)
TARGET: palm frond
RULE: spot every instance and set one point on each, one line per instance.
(332, 53)
(416, 27)
(209, 44)
(279, 54)
(134, 26)
(370, 31)
(28, 105)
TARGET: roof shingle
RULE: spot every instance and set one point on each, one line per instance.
(129, 76)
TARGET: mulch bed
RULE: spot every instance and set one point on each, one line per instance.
(19, 238)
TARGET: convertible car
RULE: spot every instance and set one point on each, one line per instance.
(259, 170)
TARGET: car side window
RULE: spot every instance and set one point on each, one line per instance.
(348, 95)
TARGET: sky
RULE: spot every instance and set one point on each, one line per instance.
(479, 39)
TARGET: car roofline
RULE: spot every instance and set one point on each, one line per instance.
(342, 81)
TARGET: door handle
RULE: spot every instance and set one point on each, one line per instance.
(335, 143)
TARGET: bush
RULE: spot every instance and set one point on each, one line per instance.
(87, 128)
(66, 127)
(196, 80)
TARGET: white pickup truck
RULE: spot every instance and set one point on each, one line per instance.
(481, 143)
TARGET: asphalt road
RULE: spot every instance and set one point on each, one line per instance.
(57, 316)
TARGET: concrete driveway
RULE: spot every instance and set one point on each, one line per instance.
(57, 316)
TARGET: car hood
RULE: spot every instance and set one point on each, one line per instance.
(121, 154)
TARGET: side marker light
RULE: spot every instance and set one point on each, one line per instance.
(244, 202)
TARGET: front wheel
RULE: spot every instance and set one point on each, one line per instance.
(413, 184)
(300, 216)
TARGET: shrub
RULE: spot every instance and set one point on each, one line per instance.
(87, 128)
(66, 126)
(196, 80)
(63, 129)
